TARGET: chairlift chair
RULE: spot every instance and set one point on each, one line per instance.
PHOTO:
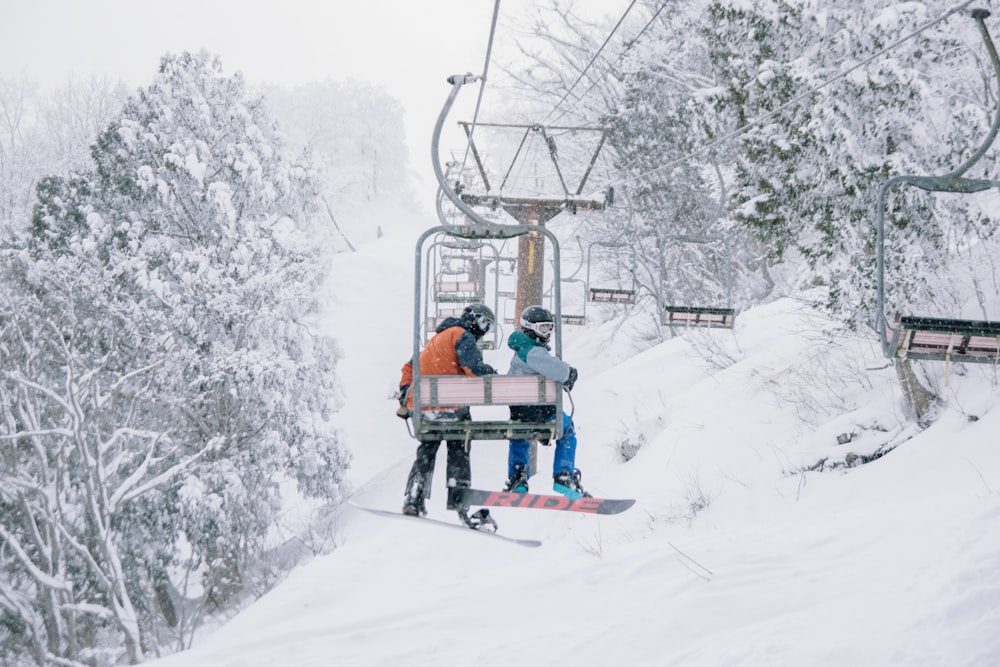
(697, 316)
(433, 393)
(612, 294)
(938, 338)
(448, 292)
(577, 319)
(437, 392)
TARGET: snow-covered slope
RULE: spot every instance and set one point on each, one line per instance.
(734, 554)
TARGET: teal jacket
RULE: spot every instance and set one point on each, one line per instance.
(534, 358)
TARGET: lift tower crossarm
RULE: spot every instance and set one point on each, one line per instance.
(545, 131)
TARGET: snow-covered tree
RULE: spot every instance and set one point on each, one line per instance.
(825, 129)
(161, 372)
(795, 113)
(45, 133)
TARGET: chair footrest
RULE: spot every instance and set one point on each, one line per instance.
(486, 430)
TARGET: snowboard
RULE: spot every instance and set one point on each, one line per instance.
(447, 524)
(542, 502)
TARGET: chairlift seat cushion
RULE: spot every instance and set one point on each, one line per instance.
(438, 391)
(446, 390)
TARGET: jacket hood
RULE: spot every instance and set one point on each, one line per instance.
(519, 339)
(449, 322)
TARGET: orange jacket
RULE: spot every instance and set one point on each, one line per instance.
(451, 351)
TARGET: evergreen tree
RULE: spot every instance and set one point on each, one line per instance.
(665, 135)
(762, 90)
(819, 145)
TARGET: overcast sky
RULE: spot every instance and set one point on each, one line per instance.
(290, 41)
(408, 46)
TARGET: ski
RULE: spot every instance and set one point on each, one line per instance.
(536, 501)
(446, 524)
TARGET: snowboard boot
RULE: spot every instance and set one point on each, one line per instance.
(568, 484)
(454, 502)
(413, 504)
(519, 480)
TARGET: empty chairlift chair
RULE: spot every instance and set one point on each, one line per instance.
(698, 316)
(621, 292)
(938, 338)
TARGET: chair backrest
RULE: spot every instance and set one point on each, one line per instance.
(444, 392)
(450, 390)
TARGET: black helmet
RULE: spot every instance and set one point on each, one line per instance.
(538, 323)
(480, 317)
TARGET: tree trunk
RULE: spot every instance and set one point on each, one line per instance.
(921, 403)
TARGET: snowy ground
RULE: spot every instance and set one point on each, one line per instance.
(733, 553)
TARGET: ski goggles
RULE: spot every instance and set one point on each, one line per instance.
(543, 328)
(483, 323)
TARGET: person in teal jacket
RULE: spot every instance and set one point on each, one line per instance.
(532, 356)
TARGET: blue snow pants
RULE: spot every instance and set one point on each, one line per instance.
(565, 455)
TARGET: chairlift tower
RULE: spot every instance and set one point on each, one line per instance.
(533, 210)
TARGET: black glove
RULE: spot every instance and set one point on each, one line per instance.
(403, 412)
(571, 380)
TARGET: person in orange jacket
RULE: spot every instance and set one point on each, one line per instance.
(451, 351)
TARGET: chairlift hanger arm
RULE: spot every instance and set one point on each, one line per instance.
(475, 155)
(980, 15)
(950, 182)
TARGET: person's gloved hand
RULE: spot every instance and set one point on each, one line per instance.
(571, 380)
(402, 411)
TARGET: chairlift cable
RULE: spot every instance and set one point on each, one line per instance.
(482, 85)
(592, 61)
(520, 164)
(767, 116)
(611, 68)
